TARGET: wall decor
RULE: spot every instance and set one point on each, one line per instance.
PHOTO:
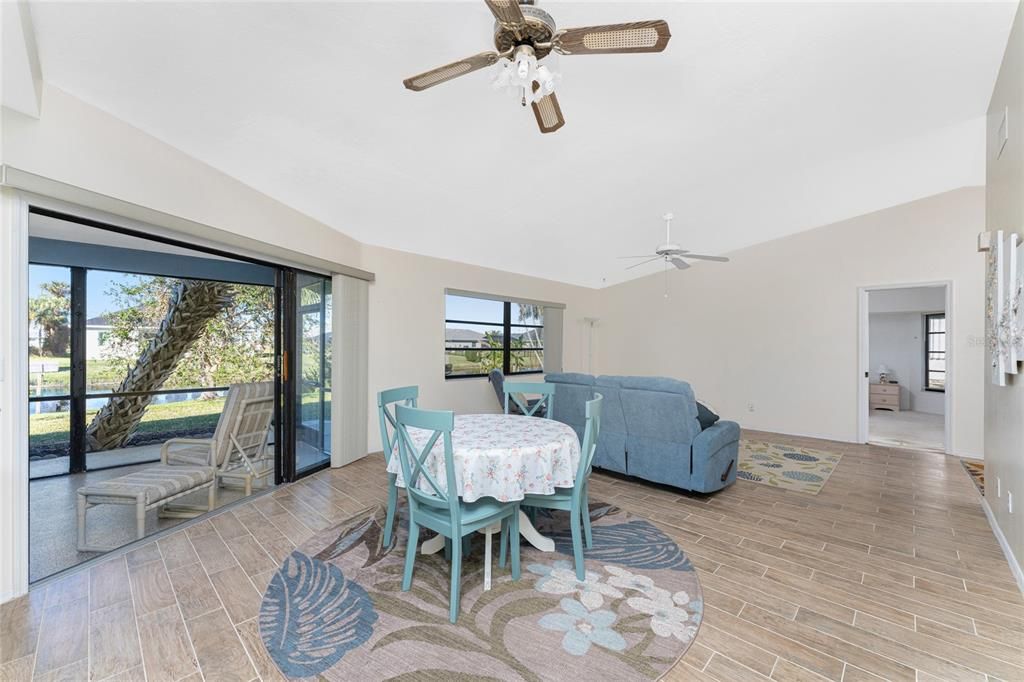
(994, 307)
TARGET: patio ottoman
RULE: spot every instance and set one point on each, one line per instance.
(147, 489)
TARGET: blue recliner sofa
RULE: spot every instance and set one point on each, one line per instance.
(649, 429)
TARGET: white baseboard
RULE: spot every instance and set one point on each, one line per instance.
(1015, 568)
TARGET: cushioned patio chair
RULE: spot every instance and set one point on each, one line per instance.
(238, 448)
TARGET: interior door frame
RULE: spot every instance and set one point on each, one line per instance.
(863, 362)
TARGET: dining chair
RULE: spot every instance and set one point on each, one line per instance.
(439, 507)
(574, 500)
(407, 395)
(545, 404)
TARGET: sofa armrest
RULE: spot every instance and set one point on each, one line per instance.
(712, 439)
(715, 457)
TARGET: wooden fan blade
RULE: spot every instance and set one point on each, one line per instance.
(646, 255)
(679, 263)
(638, 36)
(506, 11)
(548, 113)
(429, 79)
(645, 262)
(717, 259)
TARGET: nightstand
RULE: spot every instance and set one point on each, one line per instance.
(884, 397)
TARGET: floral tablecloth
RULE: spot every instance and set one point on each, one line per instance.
(503, 456)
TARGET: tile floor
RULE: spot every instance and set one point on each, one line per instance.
(891, 572)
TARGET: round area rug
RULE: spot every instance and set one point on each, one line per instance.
(335, 608)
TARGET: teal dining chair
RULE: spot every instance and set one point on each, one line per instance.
(530, 408)
(407, 395)
(440, 508)
(574, 500)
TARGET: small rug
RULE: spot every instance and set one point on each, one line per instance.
(335, 609)
(975, 468)
(802, 469)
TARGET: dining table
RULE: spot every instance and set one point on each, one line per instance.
(502, 456)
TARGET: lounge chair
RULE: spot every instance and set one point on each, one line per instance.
(238, 448)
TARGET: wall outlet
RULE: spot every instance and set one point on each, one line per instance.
(750, 407)
(1009, 501)
(999, 487)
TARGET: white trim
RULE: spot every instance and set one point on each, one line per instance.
(863, 368)
(14, 470)
(1015, 568)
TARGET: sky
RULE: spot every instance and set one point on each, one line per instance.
(97, 301)
(476, 310)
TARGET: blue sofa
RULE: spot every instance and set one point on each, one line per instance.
(649, 429)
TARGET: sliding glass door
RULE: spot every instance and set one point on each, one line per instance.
(306, 385)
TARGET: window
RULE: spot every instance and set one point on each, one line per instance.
(483, 334)
(935, 352)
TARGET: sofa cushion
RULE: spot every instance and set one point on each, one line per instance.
(569, 378)
(706, 417)
(662, 384)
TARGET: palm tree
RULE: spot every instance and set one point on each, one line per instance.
(192, 305)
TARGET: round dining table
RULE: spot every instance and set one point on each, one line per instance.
(503, 456)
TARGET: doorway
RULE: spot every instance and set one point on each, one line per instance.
(905, 366)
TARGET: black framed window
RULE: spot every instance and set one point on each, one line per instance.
(935, 352)
(484, 334)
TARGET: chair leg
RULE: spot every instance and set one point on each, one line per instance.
(513, 538)
(577, 545)
(467, 543)
(211, 497)
(82, 506)
(389, 523)
(503, 542)
(585, 514)
(140, 517)
(410, 555)
(448, 549)
(453, 610)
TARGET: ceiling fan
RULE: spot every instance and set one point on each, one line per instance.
(671, 253)
(525, 34)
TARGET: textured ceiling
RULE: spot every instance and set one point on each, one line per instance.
(758, 121)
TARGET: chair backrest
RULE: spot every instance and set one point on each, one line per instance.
(547, 397)
(248, 428)
(590, 435)
(497, 379)
(415, 459)
(407, 395)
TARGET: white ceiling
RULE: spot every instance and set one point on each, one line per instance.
(759, 120)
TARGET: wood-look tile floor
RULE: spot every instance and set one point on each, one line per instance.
(891, 572)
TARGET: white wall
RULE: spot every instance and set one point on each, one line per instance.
(1004, 406)
(80, 145)
(777, 326)
(897, 341)
(407, 310)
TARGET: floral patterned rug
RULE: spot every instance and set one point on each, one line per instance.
(335, 609)
(802, 469)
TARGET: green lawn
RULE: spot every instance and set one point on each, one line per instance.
(187, 416)
(52, 429)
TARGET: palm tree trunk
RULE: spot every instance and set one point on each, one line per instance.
(193, 303)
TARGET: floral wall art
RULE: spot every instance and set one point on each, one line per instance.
(1004, 304)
